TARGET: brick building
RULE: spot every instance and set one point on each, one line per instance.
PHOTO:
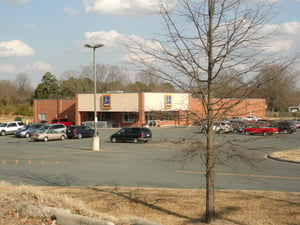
(136, 109)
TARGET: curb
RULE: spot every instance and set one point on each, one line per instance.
(282, 160)
(65, 217)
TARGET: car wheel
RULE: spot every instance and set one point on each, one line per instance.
(2, 133)
(45, 139)
(62, 137)
(135, 140)
(79, 136)
(247, 132)
(265, 133)
(285, 131)
(27, 135)
(113, 140)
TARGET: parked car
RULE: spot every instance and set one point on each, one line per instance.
(10, 127)
(64, 121)
(260, 130)
(222, 127)
(79, 131)
(135, 134)
(297, 123)
(251, 118)
(48, 134)
(25, 131)
(238, 126)
(286, 127)
(60, 128)
(219, 127)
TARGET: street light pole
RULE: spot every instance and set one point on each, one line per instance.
(96, 138)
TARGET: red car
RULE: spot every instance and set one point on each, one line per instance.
(260, 130)
(64, 121)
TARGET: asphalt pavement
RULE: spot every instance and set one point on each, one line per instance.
(159, 163)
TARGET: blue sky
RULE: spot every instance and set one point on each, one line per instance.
(42, 35)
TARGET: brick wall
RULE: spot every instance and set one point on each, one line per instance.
(231, 107)
(54, 108)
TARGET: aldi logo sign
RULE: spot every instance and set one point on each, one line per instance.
(106, 102)
(168, 101)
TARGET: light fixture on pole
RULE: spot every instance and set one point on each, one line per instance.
(96, 138)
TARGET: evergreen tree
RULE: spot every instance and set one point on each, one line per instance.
(48, 88)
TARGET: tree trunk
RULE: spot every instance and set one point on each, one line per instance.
(210, 154)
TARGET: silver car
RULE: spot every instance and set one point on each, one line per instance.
(60, 128)
(48, 134)
(26, 131)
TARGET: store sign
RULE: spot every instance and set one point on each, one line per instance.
(168, 101)
(106, 102)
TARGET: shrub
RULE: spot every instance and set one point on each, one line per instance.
(18, 118)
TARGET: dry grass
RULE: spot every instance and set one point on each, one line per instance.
(8, 118)
(293, 155)
(165, 206)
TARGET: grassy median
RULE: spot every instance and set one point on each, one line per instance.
(164, 206)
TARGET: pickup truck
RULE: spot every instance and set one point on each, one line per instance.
(64, 121)
(260, 130)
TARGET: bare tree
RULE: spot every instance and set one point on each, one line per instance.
(279, 89)
(207, 42)
(23, 86)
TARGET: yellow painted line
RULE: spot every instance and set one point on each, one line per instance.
(241, 175)
(31, 162)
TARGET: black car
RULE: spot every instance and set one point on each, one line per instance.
(286, 127)
(79, 131)
(134, 134)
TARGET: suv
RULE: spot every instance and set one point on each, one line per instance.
(10, 127)
(286, 127)
(135, 134)
(66, 122)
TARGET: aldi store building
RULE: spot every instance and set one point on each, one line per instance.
(137, 109)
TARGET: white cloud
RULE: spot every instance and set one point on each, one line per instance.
(18, 1)
(279, 45)
(15, 48)
(131, 7)
(31, 26)
(107, 38)
(114, 39)
(7, 68)
(284, 38)
(40, 66)
(70, 11)
(118, 41)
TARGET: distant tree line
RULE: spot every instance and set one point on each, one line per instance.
(16, 96)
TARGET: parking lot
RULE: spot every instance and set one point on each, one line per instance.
(71, 161)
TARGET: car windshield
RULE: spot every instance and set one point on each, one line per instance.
(3, 124)
(27, 127)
